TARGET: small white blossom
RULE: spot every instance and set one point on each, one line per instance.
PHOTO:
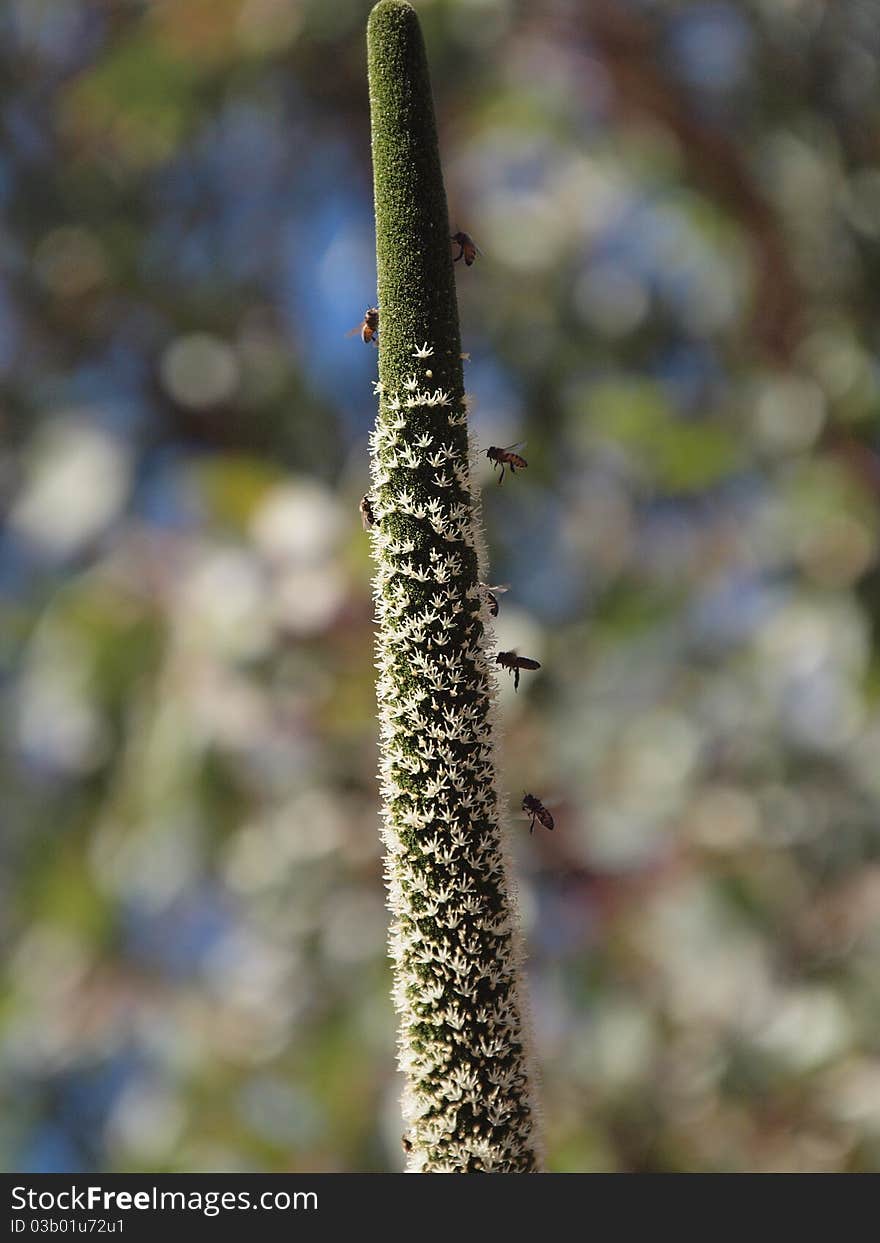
(437, 688)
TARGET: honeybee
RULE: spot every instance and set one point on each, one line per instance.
(492, 594)
(467, 247)
(368, 518)
(368, 327)
(503, 457)
(513, 663)
(536, 809)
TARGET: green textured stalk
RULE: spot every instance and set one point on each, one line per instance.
(454, 938)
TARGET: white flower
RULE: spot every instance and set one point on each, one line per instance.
(436, 690)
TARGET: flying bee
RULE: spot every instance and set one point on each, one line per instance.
(492, 594)
(536, 809)
(368, 327)
(513, 663)
(467, 247)
(368, 518)
(503, 457)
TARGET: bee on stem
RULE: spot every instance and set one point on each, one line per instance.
(368, 327)
(513, 663)
(467, 248)
(535, 808)
(368, 518)
(492, 594)
(504, 457)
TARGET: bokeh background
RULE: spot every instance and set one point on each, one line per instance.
(677, 309)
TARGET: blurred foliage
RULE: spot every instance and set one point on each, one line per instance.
(677, 309)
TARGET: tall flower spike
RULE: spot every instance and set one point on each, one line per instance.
(454, 937)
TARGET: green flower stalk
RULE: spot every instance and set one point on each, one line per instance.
(454, 938)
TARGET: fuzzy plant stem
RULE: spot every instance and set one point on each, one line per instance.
(454, 939)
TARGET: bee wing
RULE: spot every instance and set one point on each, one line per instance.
(520, 444)
(496, 588)
(358, 328)
(539, 816)
(525, 662)
(553, 799)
